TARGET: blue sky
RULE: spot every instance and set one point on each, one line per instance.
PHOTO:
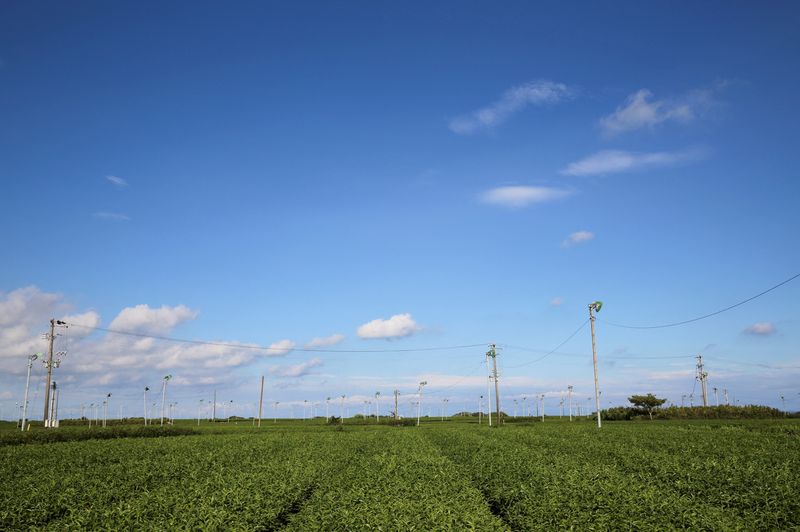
(270, 174)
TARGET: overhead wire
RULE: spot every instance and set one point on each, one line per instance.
(559, 346)
(715, 313)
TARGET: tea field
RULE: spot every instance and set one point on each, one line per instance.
(450, 475)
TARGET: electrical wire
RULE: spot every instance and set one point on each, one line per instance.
(262, 348)
(559, 346)
(684, 322)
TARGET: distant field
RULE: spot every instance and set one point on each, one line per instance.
(454, 475)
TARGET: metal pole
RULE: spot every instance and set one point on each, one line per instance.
(592, 308)
(49, 365)
(144, 397)
(55, 410)
(214, 408)
(493, 354)
(53, 405)
(419, 402)
(261, 401)
(31, 358)
(488, 390)
(396, 411)
(569, 393)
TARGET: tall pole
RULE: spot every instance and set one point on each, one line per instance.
(569, 394)
(725, 393)
(419, 402)
(52, 405)
(702, 376)
(49, 365)
(377, 407)
(214, 408)
(146, 389)
(493, 354)
(164, 396)
(488, 390)
(261, 401)
(31, 358)
(542, 407)
(592, 308)
(55, 409)
(396, 407)
(341, 412)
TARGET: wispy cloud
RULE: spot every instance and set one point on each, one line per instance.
(541, 92)
(116, 180)
(397, 326)
(325, 341)
(296, 370)
(761, 328)
(280, 348)
(114, 216)
(640, 110)
(578, 237)
(615, 161)
(522, 196)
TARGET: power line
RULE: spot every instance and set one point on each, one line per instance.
(684, 322)
(262, 348)
(570, 337)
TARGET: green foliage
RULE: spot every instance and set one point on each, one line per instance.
(696, 412)
(65, 434)
(458, 475)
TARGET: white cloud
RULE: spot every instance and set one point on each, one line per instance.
(118, 181)
(540, 92)
(325, 341)
(397, 326)
(615, 161)
(280, 348)
(556, 301)
(761, 328)
(296, 370)
(641, 111)
(143, 319)
(115, 216)
(521, 196)
(578, 237)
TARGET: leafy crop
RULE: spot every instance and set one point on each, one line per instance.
(456, 475)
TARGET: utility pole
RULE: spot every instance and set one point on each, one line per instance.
(164, 396)
(377, 407)
(146, 389)
(542, 407)
(569, 393)
(419, 401)
(595, 307)
(725, 394)
(341, 412)
(493, 354)
(50, 364)
(480, 409)
(52, 404)
(31, 358)
(261, 402)
(57, 393)
(783, 405)
(702, 376)
(396, 407)
(214, 408)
